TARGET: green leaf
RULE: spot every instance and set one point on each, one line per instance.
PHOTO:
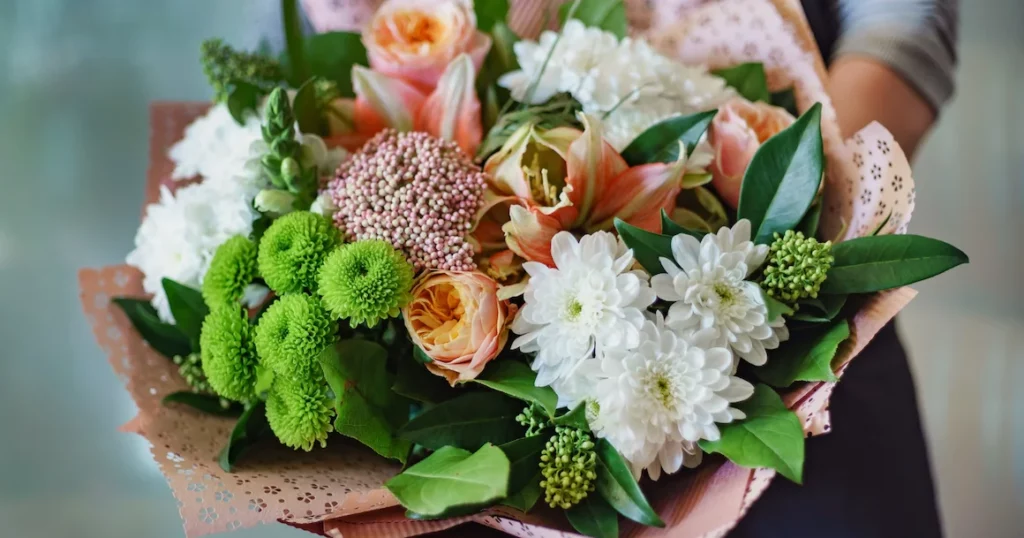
(244, 100)
(368, 411)
(882, 262)
(332, 55)
(207, 403)
(517, 380)
(785, 99)
(608, 15)
(660, 142)
(420, 355)
(188, 308)
(770, 436)
(489, 13)
(575, 418)
(414, 381)
(783, 177)
(295, 49)
(524, 470)
(827, 306)
(452, 481)
(164, 338)
(669, 227)
(648, 247)
(307, 110)
(808, 358)
(878, 229)
(249, 429)
(468, 421)
(776, 308)
(748, 79)
(809, 224)
(593, 517)
(616, 485)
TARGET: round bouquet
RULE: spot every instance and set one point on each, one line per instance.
(437, 272)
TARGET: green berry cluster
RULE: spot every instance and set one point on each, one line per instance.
(190, 368)
(568, 465)
(534, 418)
(226, 67)
(797, 266)
(365, 282)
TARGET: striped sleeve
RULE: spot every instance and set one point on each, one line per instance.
(916, 38)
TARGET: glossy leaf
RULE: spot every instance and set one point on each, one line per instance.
(882, 262)
(615, 484)
(575, 418)
(821, 310)
(809, 224)
(670, 228)
(770, 436)
(608, 15)
(785, 99)
(593, 517)
(188, 308)
(164, 338)
(524, 470)
(660, 142)
(648, 248)
(807, 358)
(490, 12)
(207, 403)
(748, 79)
(526, 498)
(468, 421)
(776, 308)
(250, 428)
(517, 380)
(307, 111)
(452, 481)
(414, 381)
(367, 410)
(244, 100)
(295, 50)
(783, 177)
(331, 56)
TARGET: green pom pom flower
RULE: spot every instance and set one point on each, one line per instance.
(568, 464)
(300, 412)
(534, 418)
(292, 333)
(796, 267)
(365, 282)
(292, 250)
(229, 360)
(232, 268)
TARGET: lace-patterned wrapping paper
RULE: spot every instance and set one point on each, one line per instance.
(339, 491)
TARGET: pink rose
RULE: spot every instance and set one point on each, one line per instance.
(415, 40)
(457, 319)
(738, 130)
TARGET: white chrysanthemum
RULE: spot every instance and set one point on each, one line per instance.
(181, 232)
(706, 285)
(214, 145)
(655, 402)
(641, 85)
(589, 303)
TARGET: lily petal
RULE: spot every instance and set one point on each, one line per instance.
(592, 165)
(382, 101)
(638, 195)
(452, 111)
(529, 233)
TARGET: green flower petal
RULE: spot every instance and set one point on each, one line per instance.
(292, 333)
(293, 249)
(232, 269)
(300, 412)
(365, 282)
(229, 360)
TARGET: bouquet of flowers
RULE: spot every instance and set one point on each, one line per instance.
(438, 272)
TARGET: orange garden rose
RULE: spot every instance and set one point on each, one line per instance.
(459, 322)
(738, 130)
(415, 40)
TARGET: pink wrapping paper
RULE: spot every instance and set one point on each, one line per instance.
(339, 491)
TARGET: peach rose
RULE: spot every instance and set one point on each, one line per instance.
(415, 40)
(458, 321)
(738, 130)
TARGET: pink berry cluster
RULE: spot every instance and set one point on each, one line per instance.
(415, 191)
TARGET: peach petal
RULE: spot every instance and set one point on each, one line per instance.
(452, 112)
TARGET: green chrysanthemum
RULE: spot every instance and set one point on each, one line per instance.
(232, 268)
(292, 250)
(366, 282)
(229, 360)
(292, 333)
(300, 412)
(568, 464)
(797, 266)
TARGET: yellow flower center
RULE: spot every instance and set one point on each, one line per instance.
(438, 316)
(545, 172)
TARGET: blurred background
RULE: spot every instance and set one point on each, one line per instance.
(76, 77)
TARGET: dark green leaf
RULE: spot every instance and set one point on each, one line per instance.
(575, 418)
(188, 308)
(331, 56)
(368, 411)
(524, 461)
(517, 380)
(660, 142)
(882, 262)
(749, 81)
(785, 99)
(250, 428)
(783, 177)
(648, 248)
(307, 111)
(490, 12)
(776, 308)
(295, 49)
(420, 355)
(525, 499)
(244, 100)
(491, 108)
(164, 338)
(608, 15)
(825, 307)
(670, 228)
(808, 358)
(207, 403)
(415, 381)
(770, 436)
(452, 481)
(616, 485)
(468, 421)
(809, 224)
(593, 517)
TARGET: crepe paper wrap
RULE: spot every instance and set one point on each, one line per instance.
(339, 491)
